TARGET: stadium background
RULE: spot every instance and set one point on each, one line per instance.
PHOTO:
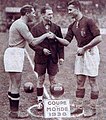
(92, 8)
(66, 71)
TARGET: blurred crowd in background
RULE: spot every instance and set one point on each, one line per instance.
(9, 11)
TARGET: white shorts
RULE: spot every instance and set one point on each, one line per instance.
(14, 59)
(88, 64)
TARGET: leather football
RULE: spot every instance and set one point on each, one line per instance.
(57, 90)
(28, 87)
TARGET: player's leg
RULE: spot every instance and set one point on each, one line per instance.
(94, 96)
(41, 70)
(40, 88)
(14, 95)
(40, 91)
(15, 81)
(80, 92)
(94, 90)
(52, 70)
(52, 79)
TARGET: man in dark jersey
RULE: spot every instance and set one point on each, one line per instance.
(49, 52)
(87, 60)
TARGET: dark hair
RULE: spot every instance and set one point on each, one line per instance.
(76, 3)
(26, 9)
(43, 9)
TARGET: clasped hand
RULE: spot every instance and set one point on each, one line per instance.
(50, 35)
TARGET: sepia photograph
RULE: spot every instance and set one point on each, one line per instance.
(52, 60)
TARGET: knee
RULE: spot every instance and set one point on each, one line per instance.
(80, 93)
(15, 88)
(81, 81)
(93, 84)
(92, 81)
(52, 79)
(40, 81)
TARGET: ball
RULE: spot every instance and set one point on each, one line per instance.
(57, 90)
(28, 87)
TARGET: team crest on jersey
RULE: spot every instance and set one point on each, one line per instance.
(83, 33)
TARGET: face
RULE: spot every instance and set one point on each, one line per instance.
(31, 16)
(72, 11)
(48, 15)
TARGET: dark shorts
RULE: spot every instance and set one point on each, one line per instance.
(51, 68)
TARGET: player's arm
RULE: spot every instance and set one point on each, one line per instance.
(60, 46)
(38, 48)
(35, 41)
(27, 35)
(95, 32)
(38, 40)
(62, 41)
(68, 38)
(93, 43)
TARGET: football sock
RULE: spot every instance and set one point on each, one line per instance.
(40, 94)
(14, 101)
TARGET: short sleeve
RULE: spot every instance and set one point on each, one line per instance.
(93, 28)
(69, 36)
(25, 33)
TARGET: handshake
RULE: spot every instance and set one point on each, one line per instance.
(50, 35)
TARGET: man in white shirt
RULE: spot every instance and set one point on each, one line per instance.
(19, 35)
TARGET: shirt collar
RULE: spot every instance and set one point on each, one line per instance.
(45, 23)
